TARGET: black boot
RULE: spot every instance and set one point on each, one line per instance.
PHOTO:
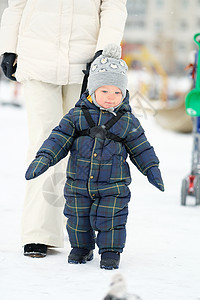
(110, 260)
(35, 250)
(80, 256)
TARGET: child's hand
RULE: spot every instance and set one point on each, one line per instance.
(154, 177)
(38, 166)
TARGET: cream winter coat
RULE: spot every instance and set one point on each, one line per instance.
(55, 38)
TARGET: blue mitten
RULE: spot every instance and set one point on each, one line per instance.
(38, 166)
(154, 177)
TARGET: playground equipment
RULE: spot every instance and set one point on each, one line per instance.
(141, 58)
(192, 101)
(174, 117)
(155, 86)
(191, 183)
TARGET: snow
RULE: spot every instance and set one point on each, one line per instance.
(161, 260)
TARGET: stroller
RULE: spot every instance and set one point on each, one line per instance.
(191, 183)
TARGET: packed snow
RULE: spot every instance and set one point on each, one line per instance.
(161, 260)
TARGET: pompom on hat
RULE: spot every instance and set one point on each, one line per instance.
(108, 69)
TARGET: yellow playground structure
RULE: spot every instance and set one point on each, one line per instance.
(142, 58)
(154, 88)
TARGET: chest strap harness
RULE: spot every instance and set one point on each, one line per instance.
(102, 131)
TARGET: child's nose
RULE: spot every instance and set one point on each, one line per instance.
(111, 96)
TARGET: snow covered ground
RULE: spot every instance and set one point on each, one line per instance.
(161, 260)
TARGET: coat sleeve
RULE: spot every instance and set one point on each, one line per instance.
(113, 14)
(141, 152)
(58, 144)
(10, 23)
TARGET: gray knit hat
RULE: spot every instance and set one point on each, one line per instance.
(108, 69)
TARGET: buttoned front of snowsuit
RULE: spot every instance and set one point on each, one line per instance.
(96, 190)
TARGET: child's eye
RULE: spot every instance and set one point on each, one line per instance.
(104, 91)
(118, 93)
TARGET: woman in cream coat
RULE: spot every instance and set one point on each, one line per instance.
(53, 40)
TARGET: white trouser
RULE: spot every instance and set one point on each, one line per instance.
(42, 219)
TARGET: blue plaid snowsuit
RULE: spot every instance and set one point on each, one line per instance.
(96, 190)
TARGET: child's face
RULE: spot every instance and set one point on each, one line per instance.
(108, 96)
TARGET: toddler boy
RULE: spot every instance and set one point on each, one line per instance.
(99, 132)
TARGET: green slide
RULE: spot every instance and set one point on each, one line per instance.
(192, 100)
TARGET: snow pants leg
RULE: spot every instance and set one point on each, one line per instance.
(106, 213)
(77, 210)
(42, 219)
(109, 215)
